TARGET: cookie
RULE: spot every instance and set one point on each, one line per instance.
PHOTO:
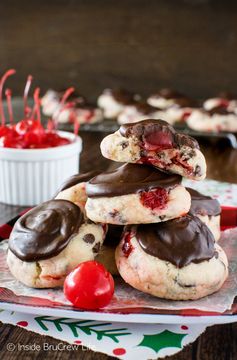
(134, 194)
(155, 142)
(106, 255)
(49, 241)
(207, 210)
(215, 120)
(112, 102)
(177, 259)
(79, 113)
(165, 98)
(139, 111)
(224, 99)
(74, 189)
(52, 101)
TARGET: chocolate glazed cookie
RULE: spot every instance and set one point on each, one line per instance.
(49, 241)
(134, 194)
(177, 259)
(207, 210)
(156, 143)
(74, 189)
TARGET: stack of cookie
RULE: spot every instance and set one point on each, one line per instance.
(165, 235)
(167, 248)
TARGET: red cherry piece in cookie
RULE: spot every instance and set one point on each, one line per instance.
(154, 199)
(186, 115)
(127, 246)
(89, 286)
(158, 140)
(224, 103)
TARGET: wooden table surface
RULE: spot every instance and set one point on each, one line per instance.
(217, 343)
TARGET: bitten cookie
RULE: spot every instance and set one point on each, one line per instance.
(74, 189)
(134, 194)
(49, 241)
(206, 209)
(177, 259)
(156, 142)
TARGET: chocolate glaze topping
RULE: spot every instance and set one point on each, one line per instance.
(179, 98)
(202, 204)
(122, 96)
(129, 179)
(165, 134)
(113, 235)
(145, 108)
(179, 241)
(185, 102)
(221, 110)
(74, 96)
(45, 231)
(168, 94)
(77, 179)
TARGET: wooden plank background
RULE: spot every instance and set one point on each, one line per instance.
(139, 44)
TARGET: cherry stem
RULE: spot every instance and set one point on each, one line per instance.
(76, 127)
(8, 94)
(27, 109)
(67, 93)
(2, 81)
(36, 110)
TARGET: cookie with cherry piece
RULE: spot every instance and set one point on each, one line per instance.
(135, 194)
(177, 259)
(156, 143)
(219, 118)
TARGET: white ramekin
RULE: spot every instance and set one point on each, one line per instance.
(31, 176)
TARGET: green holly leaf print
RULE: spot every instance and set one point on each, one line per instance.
(162, 340)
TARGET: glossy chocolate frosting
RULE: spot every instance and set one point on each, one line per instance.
(122, 96)
(185, 101)
(113, 235)
(219, 110)
(179, 241)
(165, 134)
(45, 231)
(202, 204)
(168, 94)
(77, 179)
(129, 179)
(145, 108)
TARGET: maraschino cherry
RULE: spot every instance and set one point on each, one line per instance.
(28, 133)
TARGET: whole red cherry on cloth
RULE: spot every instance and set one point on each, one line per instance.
(89, 286)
